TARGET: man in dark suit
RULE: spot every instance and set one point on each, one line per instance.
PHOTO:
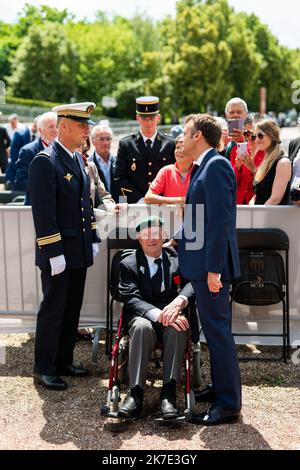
(140, 156)
(211, 266)
(46, 124)
(4, 145)
(66, 242)
(21, 137)
(105, 162)
(294, 149)
(154, 296)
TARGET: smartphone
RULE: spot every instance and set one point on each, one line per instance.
(242, 148)
(235, 124)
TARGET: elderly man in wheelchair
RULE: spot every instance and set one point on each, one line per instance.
(155, 297)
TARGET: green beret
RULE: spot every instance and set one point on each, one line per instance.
(153, 221)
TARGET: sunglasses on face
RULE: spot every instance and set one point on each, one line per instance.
(253, 137)
(259, 136)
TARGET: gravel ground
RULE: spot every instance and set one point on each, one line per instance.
(34, 418)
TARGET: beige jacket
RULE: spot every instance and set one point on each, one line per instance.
(97, 186)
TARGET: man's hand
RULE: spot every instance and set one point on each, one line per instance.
(238, 135)
(171, 311)
(214, 283)
(58, 265)
(180, 324)
(121, 207)
(171, 242)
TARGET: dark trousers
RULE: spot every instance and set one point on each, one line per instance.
(214, 313)
(57, 320)
(3, 161)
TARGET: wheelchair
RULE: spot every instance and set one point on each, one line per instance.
(119, 356)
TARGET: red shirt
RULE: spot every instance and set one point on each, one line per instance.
(168, 182)
(244, 177)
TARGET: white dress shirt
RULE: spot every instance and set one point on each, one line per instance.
(152, 138)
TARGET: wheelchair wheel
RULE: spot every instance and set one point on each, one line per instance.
(115, 398)
(197, 365)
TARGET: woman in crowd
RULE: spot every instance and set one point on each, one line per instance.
(245, 166)
(172, 181)
(272, 178)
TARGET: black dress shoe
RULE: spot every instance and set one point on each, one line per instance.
(52, 382)
(73, 371)
(168, 409)
(168, 401)
(131, 408)
(215, 415)
(207, 395)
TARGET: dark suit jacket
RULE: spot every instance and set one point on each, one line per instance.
(135, 284)
(135, 169)
(19, 139)
(294, 148)
(113, 186)
(62, 208)
(26, 155)
(213, 185)
(4, 143)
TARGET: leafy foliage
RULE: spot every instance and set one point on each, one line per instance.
(195, 61)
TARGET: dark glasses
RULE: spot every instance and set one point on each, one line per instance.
(259, 136)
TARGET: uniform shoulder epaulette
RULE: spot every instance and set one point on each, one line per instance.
(129, 136)
(43, 153)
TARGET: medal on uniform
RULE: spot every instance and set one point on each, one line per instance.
(68, 177)
(133, 166)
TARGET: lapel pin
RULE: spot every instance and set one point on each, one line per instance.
(68, 177)
(142, 269)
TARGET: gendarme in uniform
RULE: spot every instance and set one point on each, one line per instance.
(66, 241)
(142, 155)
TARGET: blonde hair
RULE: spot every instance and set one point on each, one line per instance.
(274, 152)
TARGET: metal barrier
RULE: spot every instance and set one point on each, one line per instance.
(20, 290)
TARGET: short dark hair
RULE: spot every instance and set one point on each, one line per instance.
(209, 126)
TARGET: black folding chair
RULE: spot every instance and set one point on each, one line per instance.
(264, 278)
(117, 240)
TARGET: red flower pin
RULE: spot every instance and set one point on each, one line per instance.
(176, 280)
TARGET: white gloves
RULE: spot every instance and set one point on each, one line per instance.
(58, 265)
(95, 249)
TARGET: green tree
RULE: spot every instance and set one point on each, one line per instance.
(197, 56)
(45, 65)
(31, 15)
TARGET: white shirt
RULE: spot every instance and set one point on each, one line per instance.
(202, 156)
(153, 267)
(154, 313)
(149, 138)
(65, 148)
(11, 131)
(105, 166)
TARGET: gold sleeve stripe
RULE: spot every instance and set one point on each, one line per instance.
(49, 236)
(125, 190)
(94, 225)
(48, 242)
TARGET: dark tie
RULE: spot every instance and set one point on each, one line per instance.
(156, 280)
(148, 147)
